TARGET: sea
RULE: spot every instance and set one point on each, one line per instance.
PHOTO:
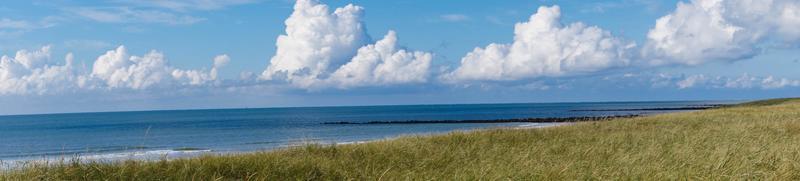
(183, 133)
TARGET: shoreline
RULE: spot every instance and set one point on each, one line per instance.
(675, 145)
(179, 153)
(544, 119)
(184, 153)
(684, 108)
(519, 120)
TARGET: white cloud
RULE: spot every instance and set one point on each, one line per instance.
(789, 20)
(32, 72)
(132, 15)
(219, 62)
(775, 83)
(745, 81)
(316, 41)
(28, 72)
(454, 17)
(200, 77)
(319, 44)
(544, 47)
(690, 81)
(382, 63)
(716, 30)
(117, 69)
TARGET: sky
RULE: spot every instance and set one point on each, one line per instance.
(122, 55)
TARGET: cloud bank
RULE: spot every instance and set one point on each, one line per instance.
(543, 47)
(742, 82)
(695, 33)
(32, 72)
(324, 48)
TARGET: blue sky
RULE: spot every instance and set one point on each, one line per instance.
(190, 54)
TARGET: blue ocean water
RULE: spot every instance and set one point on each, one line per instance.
(167, 133)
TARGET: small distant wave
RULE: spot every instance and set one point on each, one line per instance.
(67, 152)
(147, 155)
(684, 108)
(541, 125)
(352, 142)
(515, 120)
(167, 154)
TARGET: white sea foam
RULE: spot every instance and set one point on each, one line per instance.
(144, 155)
(148, 155)
(540, 125)
(352, 142)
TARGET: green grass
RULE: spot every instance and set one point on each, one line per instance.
(754, 141)
(768, 102)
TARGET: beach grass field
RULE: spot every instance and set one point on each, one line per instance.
(756, 140)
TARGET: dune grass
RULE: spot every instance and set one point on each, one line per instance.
(753, 141)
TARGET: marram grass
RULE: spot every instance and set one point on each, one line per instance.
(752, 141)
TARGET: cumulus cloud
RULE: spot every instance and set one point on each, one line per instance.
(117, 69)
(219, 62)
(775, 83)
(668, 81)
(744, 81)
(200, 77)
(321, 47)
(690, 81)
(325, 47)
(383, 63)
(543, 47)
(315, 41)
(29, 72)
(714, 30)
(33, 72)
